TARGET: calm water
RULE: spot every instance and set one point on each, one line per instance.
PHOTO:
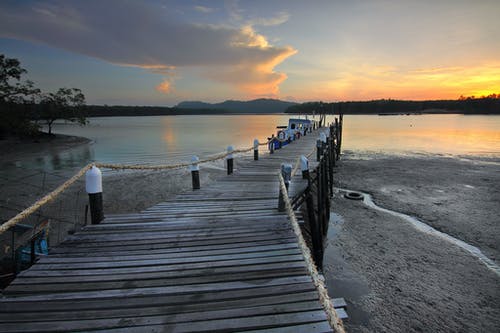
(166, 139)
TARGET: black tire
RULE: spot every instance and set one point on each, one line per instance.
(354, 196)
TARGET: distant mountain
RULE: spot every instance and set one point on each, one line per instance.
(262, 105)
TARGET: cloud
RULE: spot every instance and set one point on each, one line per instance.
(203, 9)
(280, 18)
(138, 34)
(237, 15)
(164, 87)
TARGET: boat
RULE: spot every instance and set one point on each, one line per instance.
(296, 128)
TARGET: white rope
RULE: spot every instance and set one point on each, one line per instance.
(46, 199)
(333, 319)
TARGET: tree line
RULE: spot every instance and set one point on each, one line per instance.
(467, 105)
(24, 109)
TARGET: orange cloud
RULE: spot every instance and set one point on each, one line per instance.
(164, 87)
(254, 75)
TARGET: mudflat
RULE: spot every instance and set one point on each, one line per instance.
(398, 279)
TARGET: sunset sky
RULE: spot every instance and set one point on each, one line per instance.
(163, 52)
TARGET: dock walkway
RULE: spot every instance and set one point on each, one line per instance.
(218, 259)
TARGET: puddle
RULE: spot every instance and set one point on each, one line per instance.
(341, 280)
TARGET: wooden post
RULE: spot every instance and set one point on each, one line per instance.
(255, 150)
(331, 163)
(304, 166)
(320, 195)
(271, 145)
(93, 186)
(230, 160)
(195, 172)
(316, 237)
(319, 150)
(286, 173)
(341, 124)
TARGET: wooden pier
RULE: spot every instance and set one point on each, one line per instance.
(218, 259)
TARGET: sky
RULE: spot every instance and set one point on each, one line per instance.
(158, 52)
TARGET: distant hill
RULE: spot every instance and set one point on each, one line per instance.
(262, 105)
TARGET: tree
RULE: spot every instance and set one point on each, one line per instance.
(11, 87)
(16, 99)
(66, 104)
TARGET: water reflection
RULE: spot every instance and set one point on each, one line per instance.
(49, 160)
(163, 139)
(443, 134)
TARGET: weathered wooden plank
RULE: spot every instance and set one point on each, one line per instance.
(265, 239)
(142, 276)
(318, 327)
(198, 240)
(17, 305)
(71, 314)
(165, 261)
(168, 254)
(341, 313)
(193, 322)
(161, 268)
(151, 291)
(63, 286)
(238, 324)
(128, 251)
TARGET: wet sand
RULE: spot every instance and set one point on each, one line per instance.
(398, 279)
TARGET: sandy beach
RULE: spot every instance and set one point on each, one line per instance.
(398, 279)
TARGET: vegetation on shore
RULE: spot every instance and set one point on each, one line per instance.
(24, 108)
(466, 105)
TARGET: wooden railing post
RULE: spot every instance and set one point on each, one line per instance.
(255, 150)
(286, 173)
(319, 148)
(304, 166)
(195, 172)
(320, 195)
(271, 145)
(230, 160)
(93, 186)
(331, 163)
(316, 236)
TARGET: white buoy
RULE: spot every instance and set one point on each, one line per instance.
(194, 163)
(93, 180)
(322, 137)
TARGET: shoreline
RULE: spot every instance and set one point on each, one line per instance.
(14, 148)
(396, 278)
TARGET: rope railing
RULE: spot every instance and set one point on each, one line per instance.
(333, 319)
(44, 200)
(169, 166)
(61, 188)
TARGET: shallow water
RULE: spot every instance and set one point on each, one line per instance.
(168, 139)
